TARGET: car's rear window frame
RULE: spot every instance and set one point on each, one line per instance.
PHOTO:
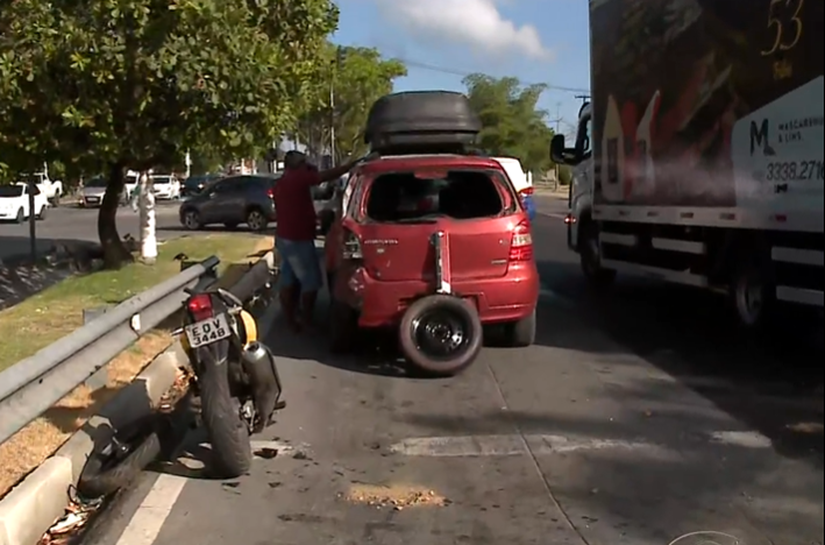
(509, 203)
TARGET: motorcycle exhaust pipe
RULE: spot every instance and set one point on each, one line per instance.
(259, 364)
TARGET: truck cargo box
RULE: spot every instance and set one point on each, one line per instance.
(709, 104)
(421, 121)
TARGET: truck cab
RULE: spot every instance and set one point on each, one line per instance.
(580, 201)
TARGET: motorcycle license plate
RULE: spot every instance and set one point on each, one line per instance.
(208, 331)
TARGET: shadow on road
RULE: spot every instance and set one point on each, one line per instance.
(772, 383)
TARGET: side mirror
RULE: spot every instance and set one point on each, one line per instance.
(560, 154)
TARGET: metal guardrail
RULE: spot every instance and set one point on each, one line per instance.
(33, 385)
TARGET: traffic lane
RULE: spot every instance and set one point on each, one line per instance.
(773, 382)
(575, 438)
(71, 223)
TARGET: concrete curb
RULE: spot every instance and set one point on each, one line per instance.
(31, 507)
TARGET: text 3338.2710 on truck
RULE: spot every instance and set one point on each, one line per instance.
(700, 157)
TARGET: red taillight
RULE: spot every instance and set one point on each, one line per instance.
(526, 191)
(270, 193)
(352, 246)
(521, 244)
(200, 306)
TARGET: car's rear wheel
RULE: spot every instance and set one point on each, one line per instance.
(192, 220)
(521, 333)
(21, 217)
(256, 220)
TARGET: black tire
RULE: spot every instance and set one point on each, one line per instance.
(55, 200)
(470, 342)
(21, 217)
(256, 220)
(597, 277)
(753, 295)
(42, 214)
(228, 434)
(191, 219)
(522, 333)
(103, 476)
(343, 327)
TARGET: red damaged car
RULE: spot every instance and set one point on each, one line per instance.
(430, 239)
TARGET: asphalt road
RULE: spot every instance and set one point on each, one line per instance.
(638, 417)
(69, 223)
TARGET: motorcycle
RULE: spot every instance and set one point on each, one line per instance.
(236, 379)
(236, 376)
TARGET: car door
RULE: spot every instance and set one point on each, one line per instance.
(211, 210)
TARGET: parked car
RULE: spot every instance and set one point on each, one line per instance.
(91, 194)
(379, 252)
(232, 201)
(14, 202)
(195, 184)
(165, 186)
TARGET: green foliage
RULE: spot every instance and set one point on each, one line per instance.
(513, 125)
(565, 175)
(137, 82)
(357, 77)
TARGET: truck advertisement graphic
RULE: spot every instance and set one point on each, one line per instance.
(708, 103)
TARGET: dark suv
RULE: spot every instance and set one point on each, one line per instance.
(232, 201)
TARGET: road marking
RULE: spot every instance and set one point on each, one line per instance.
(512, 445)
(746, 439)
(148, 520)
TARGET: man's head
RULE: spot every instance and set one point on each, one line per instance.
(295, 160)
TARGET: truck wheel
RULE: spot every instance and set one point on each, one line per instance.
(753, 295)
(591, 257)
(42, 214)
(55, 200)
(21, 217)
(441, 335)
(522, 333)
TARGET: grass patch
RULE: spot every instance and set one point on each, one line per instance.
(57, 311)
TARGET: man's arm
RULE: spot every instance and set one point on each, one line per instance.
(336, 172)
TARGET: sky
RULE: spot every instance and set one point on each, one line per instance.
(441, 41)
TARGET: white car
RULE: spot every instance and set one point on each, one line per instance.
(521, 183)
(91, 195)
(14, 203)
(165, 186)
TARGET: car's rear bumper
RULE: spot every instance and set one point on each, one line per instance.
(505, 299)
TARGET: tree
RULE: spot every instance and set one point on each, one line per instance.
(106, 85)
(356, 77)
(513, 124)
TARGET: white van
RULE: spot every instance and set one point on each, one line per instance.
(522, 184)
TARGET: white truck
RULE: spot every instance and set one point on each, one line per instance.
(51, 189)
(699, 159)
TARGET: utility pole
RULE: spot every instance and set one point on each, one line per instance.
(339, 55)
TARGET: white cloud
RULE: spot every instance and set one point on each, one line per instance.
(477, 23)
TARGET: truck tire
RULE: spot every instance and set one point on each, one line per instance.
(753, 295)
(20, 217)
(590, 257)
(441, 335)
(522, 333)
(55, 201)
(228, 434)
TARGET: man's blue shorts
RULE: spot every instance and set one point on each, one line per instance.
(299, 263)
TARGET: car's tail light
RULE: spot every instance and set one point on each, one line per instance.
(270, 193)
(352, 246)
(521, 244)
(200, 306)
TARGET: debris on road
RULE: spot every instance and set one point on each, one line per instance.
(396, 497)
(78, 514)
(176, 392)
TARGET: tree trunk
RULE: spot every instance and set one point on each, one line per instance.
(148, 238)
(115, 253)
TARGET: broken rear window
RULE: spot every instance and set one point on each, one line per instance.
(415, 195)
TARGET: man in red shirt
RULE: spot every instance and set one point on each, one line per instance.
(295, 235)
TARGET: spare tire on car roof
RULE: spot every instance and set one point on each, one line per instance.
(421, 121)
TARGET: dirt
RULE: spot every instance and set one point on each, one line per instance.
(395, 497)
